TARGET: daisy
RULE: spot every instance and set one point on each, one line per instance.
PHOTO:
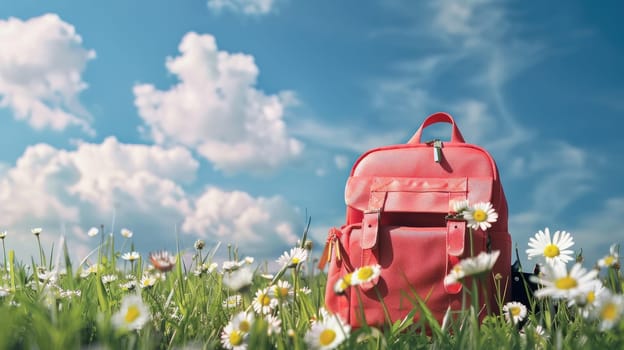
(514, 312)
(555, 250)
(282, 291)
(473, 266)
(327, 334)
(609, 310)
(558, 283)
(274, 324)
(305, 290)
(480, 215)
(3, 234)
(93, 231)
(233, 301)
(239, 279)
(36, 231)
(586, 301)
(611, 259)
(126, 233)
(131, 256)
(147, 281)
(106, 279)
(232, 338)
(263, 303)
(89, 270)
(199, 244)
(293, 258)
(365, 274)
(231, 265)
(243, 321)
(162, 261)
(130, 285)
(459, 206)
(132, 315)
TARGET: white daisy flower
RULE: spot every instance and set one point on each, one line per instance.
(89, 270)
(282, 291)
(126, 233)
(263, 303)
(230, 265)
(162, 261)
(473, 266)
(480, 215)
(238, 279)
(132, 315)
(343, 284)
(586, 301)
(555, 250)
(3, 234)
(327, 334)
(93, 231)
(459, 206)
(147, 281)
(611, 259)
(233, 301)
(106, 279)
(609, 310)
(365, 274)
(305, 290)
(130, 285)
(558, 283)
(293, 258)
(514, 312)
(36, 231)
(233, 338)
(274, 324)
(131, 256)
(243, 321)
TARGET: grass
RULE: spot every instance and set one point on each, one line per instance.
(51, 302)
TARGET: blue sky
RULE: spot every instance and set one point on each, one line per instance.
(231, 120)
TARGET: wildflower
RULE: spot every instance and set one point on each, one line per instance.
(232, 301)
(126, 233)
(305, 290)
(274, 324)
(239, 279)
(4, 291)
(365, 274)
(235, 332)
(131, 256)
(327, 334)
(558, 283)
(231, 265)
(129, 285)
(343, 283)
(555, 250)
(89, 270)
(282, 291)
(293, 258)
(132, 315)
(199, 244)
(480, 215)
(586, 300)
(473, 266)
(93, 231)
(106, 279)
(263, 303)
(162, 261)
(68, 294)
(610, 260)
(609, 310)
(514, 312)
(459, 206)
(36, 231)
(3, 234)
(147, 281)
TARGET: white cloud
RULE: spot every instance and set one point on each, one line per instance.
(247, 7)
(216, 110)
(41, 63)
(255, 225)
(341, 161)
(139, 187)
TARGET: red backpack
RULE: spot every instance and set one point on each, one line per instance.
(398, 199)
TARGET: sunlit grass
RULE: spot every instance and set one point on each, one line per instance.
(116, 299)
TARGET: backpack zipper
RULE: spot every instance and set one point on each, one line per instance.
(437, 149)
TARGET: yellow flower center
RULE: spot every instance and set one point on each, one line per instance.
(132, 314)
(479, 215)
(295, 260)
(244, 326)
(283, 292)
(609, 260)
(514, 310)
(566, 282)
(327, 337)
(551, 251)
(591, 297)
(347, 278)
(264, 300)
(236, 338)
(365, 273)
(457, 268)
(342, 285)
(609, 312)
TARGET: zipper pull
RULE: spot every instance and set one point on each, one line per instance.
(437, 150)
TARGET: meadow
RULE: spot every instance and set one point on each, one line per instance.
(117, 299)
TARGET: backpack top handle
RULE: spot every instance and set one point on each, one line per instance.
(440, 117)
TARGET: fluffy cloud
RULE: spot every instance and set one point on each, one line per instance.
(247, 7)
(41, 63)
(216, 109)
(138, 187)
